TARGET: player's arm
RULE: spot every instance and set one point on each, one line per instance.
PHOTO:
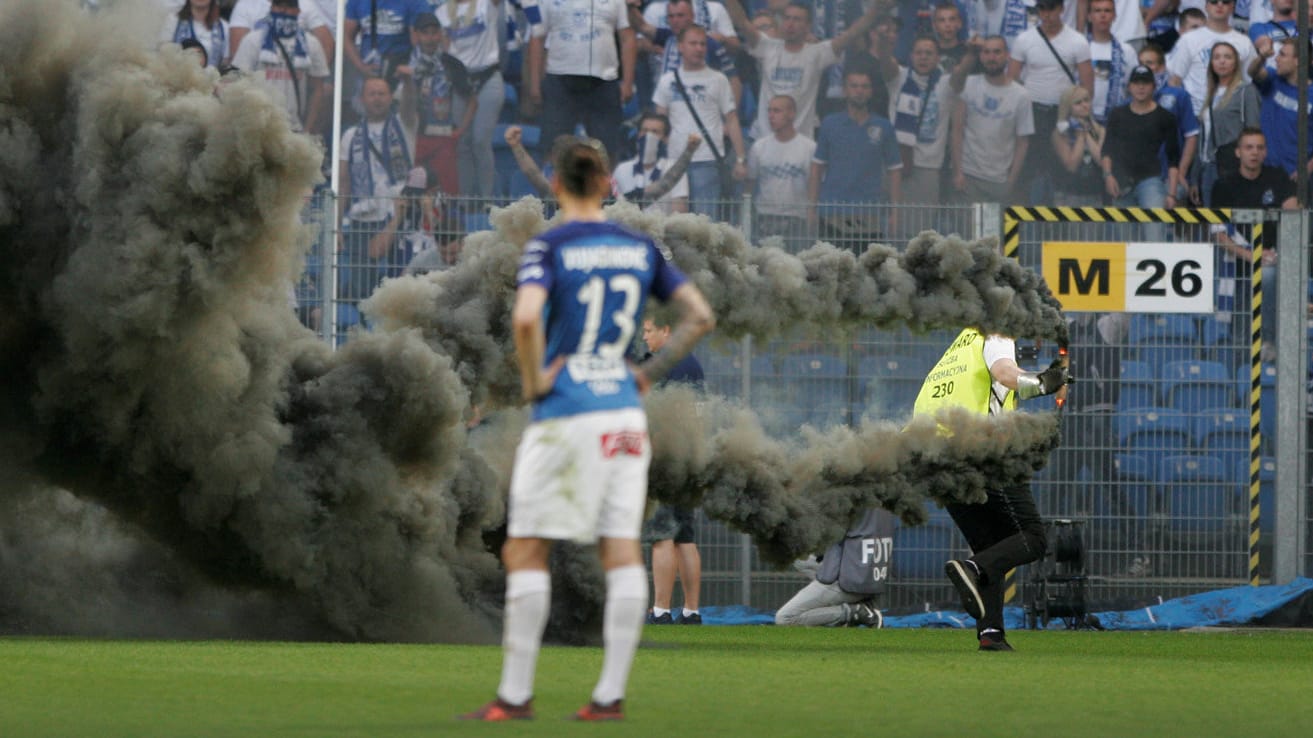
(695, 321)
(530, 340)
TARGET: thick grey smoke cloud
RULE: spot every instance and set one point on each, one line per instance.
(238, 477)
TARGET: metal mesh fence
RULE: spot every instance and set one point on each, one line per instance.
(1159, 477)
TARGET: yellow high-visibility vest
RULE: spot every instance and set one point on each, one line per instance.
(960, 379)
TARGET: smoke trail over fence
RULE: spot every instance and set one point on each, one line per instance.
(148, 236)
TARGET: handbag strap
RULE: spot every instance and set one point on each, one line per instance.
(679, 85)
(291, 70)
(1070, 76)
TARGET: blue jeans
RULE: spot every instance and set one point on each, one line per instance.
(1150, 192)
(704, 188)
(474, 150)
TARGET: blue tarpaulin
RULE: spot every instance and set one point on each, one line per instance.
(1224, 607)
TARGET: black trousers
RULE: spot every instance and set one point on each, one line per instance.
(1004, 532)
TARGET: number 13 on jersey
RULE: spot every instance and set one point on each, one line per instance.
(1131, 277)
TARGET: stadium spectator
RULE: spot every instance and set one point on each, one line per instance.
(1006, 18)
(1189, 61)
(376, 37)
(587, 73)
(679, 15)
(581, 469)
(921, 107)
(199, 19)
(1111, 59)
(947, 23)
(851, 573)
(791, 65)
(1254, 184)
(1136, 132)
(291, 62)
(671, 528)
(856, 165)
(878, 46)
(918, 21)
(1188, 20)
(1177, 102)
(1078, 142)
(709, 14)
(1005, 531)
(442, 123)
(247, 13)
(633, 176)
(374, 164)
(699, 99)
(992, 124)
(1230, 105)
(1279, 29)
(1047, 59)
(778, 170)
(474, 68)
(1278, 88)
(1162, 22)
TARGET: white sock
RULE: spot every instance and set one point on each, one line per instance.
(528, 597)
(622, 622)
(688, 612)
(659, 611)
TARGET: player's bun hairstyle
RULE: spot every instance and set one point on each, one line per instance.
(581, 166)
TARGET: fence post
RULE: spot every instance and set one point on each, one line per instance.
(328, 257)
(745, 540)
(1288, 545)
(989, 220)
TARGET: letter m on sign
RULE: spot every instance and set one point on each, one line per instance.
(1086, 275)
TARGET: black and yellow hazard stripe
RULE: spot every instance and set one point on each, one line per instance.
(1010, 586)
(1255, 398)
(1192, 216)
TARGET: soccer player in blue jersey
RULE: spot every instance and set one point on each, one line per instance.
(581, 469)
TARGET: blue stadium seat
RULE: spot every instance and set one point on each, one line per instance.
(1201, 498)
(1166, 328)
(819, 384)
(921, 550)
(510, 109)
(1139, 385)
(477, 222)
(891, 383)
(1135, 478)
(1152, 429)
(1193, 386)
(1214, 332)
(1223, 433)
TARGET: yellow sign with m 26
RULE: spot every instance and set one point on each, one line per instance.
(1130, 277)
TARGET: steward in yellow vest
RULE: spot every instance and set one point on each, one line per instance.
(980, 373)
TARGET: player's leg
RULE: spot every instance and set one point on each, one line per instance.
(618, 524)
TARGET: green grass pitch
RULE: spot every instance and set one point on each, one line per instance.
(708, 681)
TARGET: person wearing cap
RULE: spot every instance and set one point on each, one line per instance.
(1136, 131)
(1047, 59)
(290, 61)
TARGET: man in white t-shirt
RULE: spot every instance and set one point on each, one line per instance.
(792, 66)
(778, 168)
(992, 127)
(582, 55)
(697, 90)
(1111, 58)
(1047, 59)
(266, 51)
(1188, 62)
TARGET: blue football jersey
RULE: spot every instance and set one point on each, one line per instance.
(598, 277)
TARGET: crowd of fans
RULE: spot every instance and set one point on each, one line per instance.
(826, 111)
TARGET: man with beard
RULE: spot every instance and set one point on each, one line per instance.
(992, 125)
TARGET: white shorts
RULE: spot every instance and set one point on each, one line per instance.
(581, 477)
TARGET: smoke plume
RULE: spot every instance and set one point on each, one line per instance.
(175, 439)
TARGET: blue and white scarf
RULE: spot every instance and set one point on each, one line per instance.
(1014, 19)
(396, 159)
(916, 116)
(1117, 94)
(280, 27)
(217, 50)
